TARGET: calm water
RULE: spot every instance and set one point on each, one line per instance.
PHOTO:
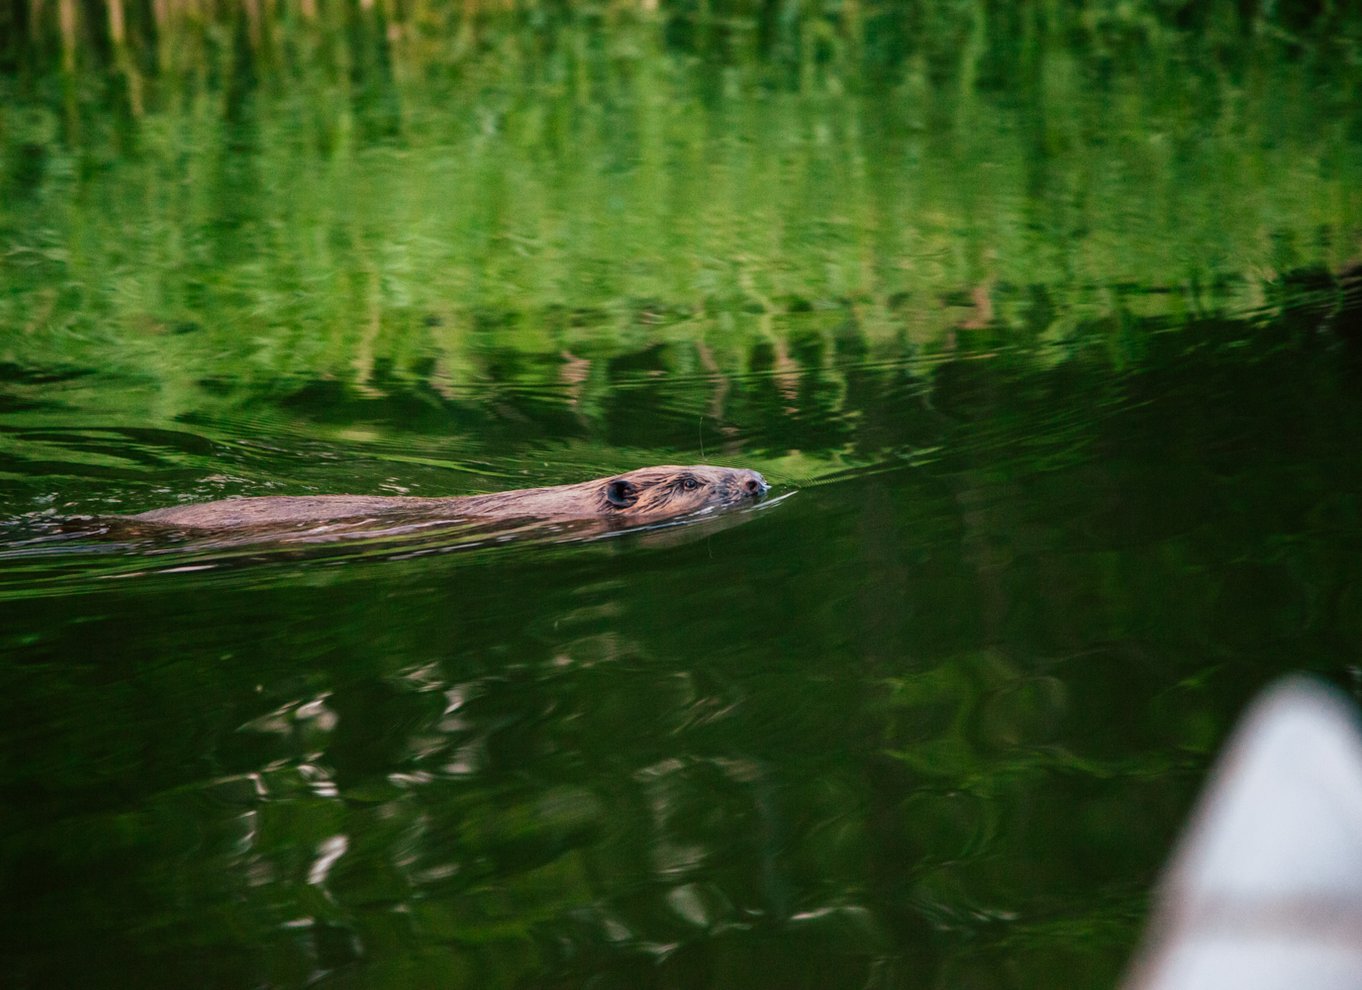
(1066, 467)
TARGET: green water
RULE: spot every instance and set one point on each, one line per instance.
(1054, 361)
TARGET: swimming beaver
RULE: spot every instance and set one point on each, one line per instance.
(647, 495)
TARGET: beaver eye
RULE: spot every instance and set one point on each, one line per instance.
(690, 484)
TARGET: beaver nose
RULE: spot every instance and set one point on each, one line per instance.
(754, 484)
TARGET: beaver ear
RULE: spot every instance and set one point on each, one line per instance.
(620, 493)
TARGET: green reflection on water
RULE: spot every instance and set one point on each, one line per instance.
(1055, 337)
(609, 198)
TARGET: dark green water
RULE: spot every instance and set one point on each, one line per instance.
(1063, 413)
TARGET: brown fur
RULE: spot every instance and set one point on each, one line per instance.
(646, 495)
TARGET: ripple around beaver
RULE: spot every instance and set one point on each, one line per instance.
(45, 554)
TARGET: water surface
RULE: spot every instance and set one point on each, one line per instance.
(1062, 415)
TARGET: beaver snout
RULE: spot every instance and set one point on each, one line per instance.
(753, 485)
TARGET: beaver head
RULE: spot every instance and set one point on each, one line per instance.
(670, 490)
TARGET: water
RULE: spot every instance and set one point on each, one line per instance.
(1065, 469)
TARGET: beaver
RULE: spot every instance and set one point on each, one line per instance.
(647, 495)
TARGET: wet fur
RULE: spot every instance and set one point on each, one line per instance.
(646, 495)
